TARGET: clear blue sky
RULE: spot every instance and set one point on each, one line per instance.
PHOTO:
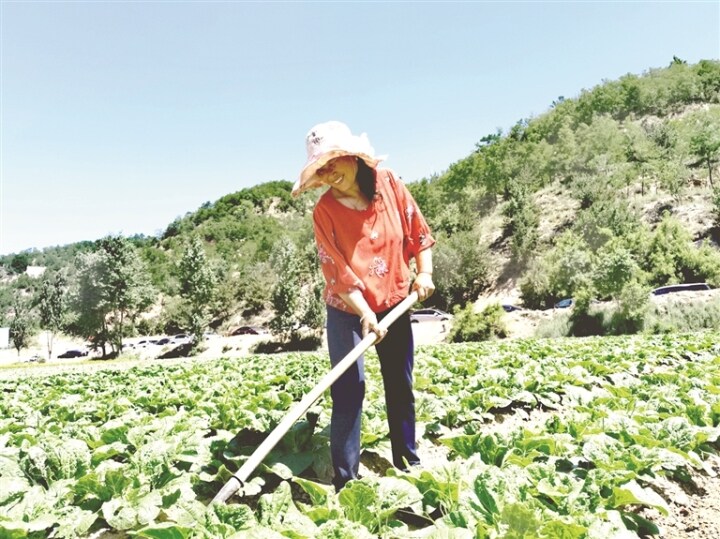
(118, 117)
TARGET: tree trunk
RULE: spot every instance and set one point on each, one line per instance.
(49, 337)
(709, 164)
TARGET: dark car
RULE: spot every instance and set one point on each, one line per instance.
(564, 303)
(250, 330)
(163, 341)
(73, 353)
(510, 308)
(428, 315)
(686, 287)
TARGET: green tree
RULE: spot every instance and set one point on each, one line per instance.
(614, 268)
(286, 298)
(313, 302)
(113, 287)
(197, 288)
(559, 273)
(670, 256)
(633, 305)
(708, 74)
(127, 285)
(297, 296)
(461, 269)
(52, 305)
(705, 142)
(255, 286)
(21, 327)
(641, 154)
(469, 326)
(20, 262)
(522, 220)
(88, 303)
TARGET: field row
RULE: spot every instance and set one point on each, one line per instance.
(144, 449)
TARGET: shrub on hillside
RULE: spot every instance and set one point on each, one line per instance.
(676, 316)
(703, 264)
(614, 269)
(535, 286)
(716, 206)
(566, 268)
(461, 268)
(584, 320)
(625, 315)
(297, 343)
(555, 327)
(522, 220)
(631, 312)
(671, 257)
(608, 217)
(470, 326)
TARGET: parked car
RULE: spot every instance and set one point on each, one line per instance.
(564, 303)
(686, 287)
(510, 308)
(73, 353)
(250, 330)
(428, 315)
(163, 341)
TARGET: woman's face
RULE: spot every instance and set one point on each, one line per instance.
(339, 173)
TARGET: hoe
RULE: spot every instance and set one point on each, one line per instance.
(238, 480)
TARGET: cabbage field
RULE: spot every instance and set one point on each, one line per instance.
(570, 438)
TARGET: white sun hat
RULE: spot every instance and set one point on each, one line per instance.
(325, 142)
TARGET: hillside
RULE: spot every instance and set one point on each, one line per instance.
(604, 196)
(557, 211)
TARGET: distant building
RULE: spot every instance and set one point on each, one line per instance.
(35, 271)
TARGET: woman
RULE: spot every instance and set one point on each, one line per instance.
(367, 228)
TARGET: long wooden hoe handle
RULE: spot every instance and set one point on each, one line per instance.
(237, 480)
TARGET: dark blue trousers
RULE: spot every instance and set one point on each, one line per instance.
(395, 351)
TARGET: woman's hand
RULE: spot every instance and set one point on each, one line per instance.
(369, 323)
(424, 285)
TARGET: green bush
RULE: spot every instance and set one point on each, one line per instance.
(614, 268)
(676, 316)
(584, 320)
(568, 267)
(297, 343)
(625, 315)
(671, 257)
(461, 268)
(471, 326)
(631, 312)
(535, 286)
(522, 219)
(555, 327)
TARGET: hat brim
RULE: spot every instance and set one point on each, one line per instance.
(308, 177)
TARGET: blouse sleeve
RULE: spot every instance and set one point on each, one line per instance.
(339, 277)
(417, 229)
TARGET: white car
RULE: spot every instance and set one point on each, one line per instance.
(429, 315)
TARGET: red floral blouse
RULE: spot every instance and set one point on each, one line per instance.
(370, 249)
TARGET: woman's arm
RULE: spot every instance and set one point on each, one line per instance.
(423, 282)
(368, 319)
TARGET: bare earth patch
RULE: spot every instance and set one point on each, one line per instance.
(694, 506)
